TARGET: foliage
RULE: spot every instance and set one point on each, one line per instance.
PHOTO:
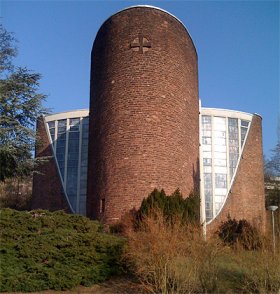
(176, 259)
(235, 233)
(43, 250)
(272, 166)
(272, 185)
(7, 50)
(273, 197)
(172, 258)
(16, 193)
(173, 207)
(20, 105)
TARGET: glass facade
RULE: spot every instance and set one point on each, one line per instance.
(84, 166)
(223, 134)
(69, 138)
(60, 144)
(222, 138)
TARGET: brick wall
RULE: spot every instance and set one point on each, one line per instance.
(144, 126)
(247, 200)
(47, 192)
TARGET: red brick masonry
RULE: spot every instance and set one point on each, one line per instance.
(247, 199)
(144, 126)
(47, 190)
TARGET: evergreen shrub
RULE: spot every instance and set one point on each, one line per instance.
(173, 207)
(240, 233)
(43, 250)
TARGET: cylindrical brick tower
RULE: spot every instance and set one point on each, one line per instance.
(144, 111)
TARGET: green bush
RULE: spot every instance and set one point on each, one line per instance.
(240, 233)
(174, 207)
(43, 250)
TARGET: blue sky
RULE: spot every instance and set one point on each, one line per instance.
(237, 44)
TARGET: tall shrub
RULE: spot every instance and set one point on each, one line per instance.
(171, 258)
(173, 207)
(240, 233)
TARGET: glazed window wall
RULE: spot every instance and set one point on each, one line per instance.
(60, 145)
(84, 166)
(222, 140)
(207, 164)
(52, 129)
(233, 145)
(220, 162)
(70, 142)
(244, 128)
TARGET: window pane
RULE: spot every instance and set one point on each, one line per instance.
(62, 123)
(206, 133)
(219, 120)
(206, 141)
(220, 148)
(244, 123)
(74, 121)
(219, 141)
(206, 119)
(207, 169)
(220, 155)
(206, 147)
(208, 180)
(220, 180)
(221, 169)
(219, 123)
(219, 134)
(233, 122)
(207, 154)
(74, 124)
(61, 130)
(51, 124)
(220, 162)
(207, 161)
(220, 192)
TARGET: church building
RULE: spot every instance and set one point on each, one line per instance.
(145, 129)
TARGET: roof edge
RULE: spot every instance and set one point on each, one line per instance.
(67, 114)
(227, 110)
(156, 8)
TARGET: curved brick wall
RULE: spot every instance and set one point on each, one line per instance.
(47, 192)
(247, 200)
(144, 126)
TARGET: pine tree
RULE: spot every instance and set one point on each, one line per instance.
(20, 105)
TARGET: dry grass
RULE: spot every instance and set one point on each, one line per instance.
(172, 258)
(16, 193)
(261, 271)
